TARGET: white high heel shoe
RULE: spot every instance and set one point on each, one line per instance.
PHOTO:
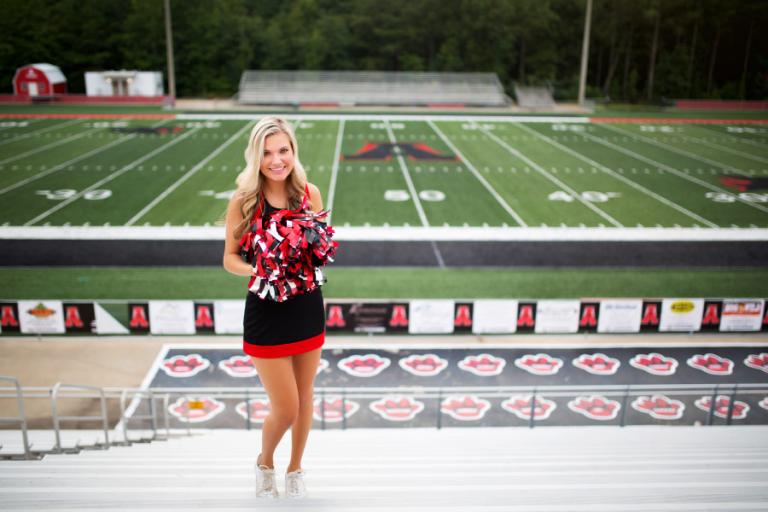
(294, 484)
(266, 487)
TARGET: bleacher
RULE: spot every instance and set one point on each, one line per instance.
(371, 88)
(534, 98)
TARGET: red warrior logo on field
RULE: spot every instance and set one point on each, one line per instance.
(744, 183)
(484, 365)
(654, 363)
(539, 364)
(423, 365)
(238, 366)
(258, 407)
(413, 150)
(740, 409)
(595, 407)
(712, 364)
(465, 408)
(185, 365)
(659, 407)
(597, 364)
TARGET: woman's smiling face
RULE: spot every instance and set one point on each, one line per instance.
(277, 160)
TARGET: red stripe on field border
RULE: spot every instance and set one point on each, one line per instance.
(91, 116)
(674, 120)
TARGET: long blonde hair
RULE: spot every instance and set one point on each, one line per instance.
(250, 182)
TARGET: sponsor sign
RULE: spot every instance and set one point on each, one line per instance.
(431, 317)
(41, 316)
(229, 316)
(681, 314)
(171, 317)
(495, 316)
(557, 316)
(742, 315)
(620, 315)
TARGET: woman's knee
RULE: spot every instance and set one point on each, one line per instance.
(285, 412)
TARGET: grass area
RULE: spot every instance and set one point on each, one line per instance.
(395, 283)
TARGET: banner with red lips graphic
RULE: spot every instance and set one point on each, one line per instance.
(238, 366)
(595, 407)
(182, 366)
(196, 409)
(423, 365)
(722, 402)
(366, 365)
(539, 364)
(659, 407)
(712, 364)
(465, 407)
(597, 364)
(520, 406)
(655, 363)
(258, 407)
(331, 407)
(757, 361)
(397, 407)
(483, 365)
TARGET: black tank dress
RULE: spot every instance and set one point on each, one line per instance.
(279, 329)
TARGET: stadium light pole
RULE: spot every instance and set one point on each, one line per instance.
(584, 53)
(169, 48)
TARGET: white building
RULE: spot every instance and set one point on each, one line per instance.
(124, 83)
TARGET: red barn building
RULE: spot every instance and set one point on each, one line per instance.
(39, 80)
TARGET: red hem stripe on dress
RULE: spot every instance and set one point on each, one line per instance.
(288, 349)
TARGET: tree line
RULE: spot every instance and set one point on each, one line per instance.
(640, 50)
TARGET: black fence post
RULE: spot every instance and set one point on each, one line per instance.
(731, 404)
(712, 406)
(343, 409)
(532, 419)
(322, 409)
(247, 409)
(624, 400)
(439, 410)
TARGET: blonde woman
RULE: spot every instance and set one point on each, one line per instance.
(284, 339)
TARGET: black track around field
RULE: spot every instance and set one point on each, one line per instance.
(409, 254)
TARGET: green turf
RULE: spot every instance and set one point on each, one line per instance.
(397, 283)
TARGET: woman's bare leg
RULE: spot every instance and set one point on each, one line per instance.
(305, 370)
(277, 377)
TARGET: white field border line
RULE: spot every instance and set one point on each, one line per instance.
(734, 137)
(477, 175)
(626, 180)
(673, 149)
(400, 233)
(557, 181)
(606, 506)
(406, 175)
(672, 170)
(76, 159)
(391, 117)
(162, 353)
(48, 146)
(335, 169)
(188, 175)
(111, 176)
(38, 132)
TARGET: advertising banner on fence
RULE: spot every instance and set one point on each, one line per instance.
(742, 315)
(495, 316)
(171, 317)
(431, 317)
(620, 315)
(229, 316)
(681, 314)
(557, 316)
(41, 316)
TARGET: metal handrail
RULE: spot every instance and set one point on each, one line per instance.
(21, 419)
(152, 416)
(57, 419)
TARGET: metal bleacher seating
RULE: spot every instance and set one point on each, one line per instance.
(534, 98)
(371, 88)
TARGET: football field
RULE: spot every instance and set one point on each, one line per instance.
(379, 172)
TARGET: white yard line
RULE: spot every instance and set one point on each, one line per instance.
(47, 146)
(626, 180)
(729, 150)
(406, 174)
(478, 176)
(674, 171)
(335, 170)
(38, 132)
(401, 233)
(734, 138)
(187, 175)
(111, 176)
(673, 149)
(69, 162)
(547, 175)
